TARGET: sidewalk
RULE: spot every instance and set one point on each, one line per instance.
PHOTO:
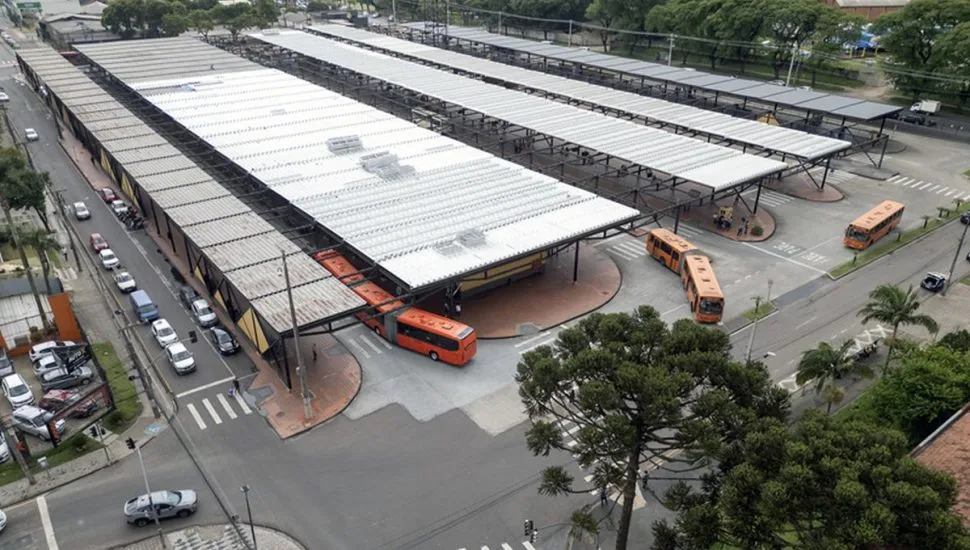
(217, 537)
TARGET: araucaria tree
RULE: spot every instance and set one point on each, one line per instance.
(644, 395)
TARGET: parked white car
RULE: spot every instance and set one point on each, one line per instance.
(17, 392)
(125, 282)
(31, 134)
(108, 259)
(119, 207)
(164, 333)
(44, 365)
(180, 358)
(81, 211)
(203, 314)
(47, 348)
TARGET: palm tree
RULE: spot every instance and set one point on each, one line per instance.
(826, 365)
(44, 243)
(893, 306)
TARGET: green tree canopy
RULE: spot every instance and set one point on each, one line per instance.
(823, 485)
(641, 392)
(826, 366)
(893, 306)
(957, 341)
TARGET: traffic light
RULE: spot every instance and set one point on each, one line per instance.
(95, 432)
(529, 528)
(534, 537)
(193, 337)
(130, 443)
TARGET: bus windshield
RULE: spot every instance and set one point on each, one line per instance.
(713, 306)
(855, 234)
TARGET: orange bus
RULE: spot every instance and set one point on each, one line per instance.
(437, 337)
(339, 266)
(668, 248)
(873, 225)
(440, 338)
(703, 293)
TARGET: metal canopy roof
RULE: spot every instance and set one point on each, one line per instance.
(265, 278)
(250, 251)
(710, 165)
(775, 138)
(442, 210)
(861, 109)
(313, 301)
(207, 213)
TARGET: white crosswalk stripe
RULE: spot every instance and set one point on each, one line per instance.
(836, 177)
(914, 184)
(524, 545)
(628, 249)
(230, 405)
(569, 430)
(687, 231)
(768, 197)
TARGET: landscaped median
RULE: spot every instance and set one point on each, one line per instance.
(763, 310)
(891, 244)
(123, 391)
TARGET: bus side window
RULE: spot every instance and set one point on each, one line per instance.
(666, 248)
(675, 256)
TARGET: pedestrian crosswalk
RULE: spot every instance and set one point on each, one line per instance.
(525, 545)
(835, 177)
(569, 432)
(366, 343)
(544, 338)
(768, 197)
(629, 248)
(942, 191)
(214, 408)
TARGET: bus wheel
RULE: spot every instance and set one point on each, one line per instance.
(377, 330)
(433, 355)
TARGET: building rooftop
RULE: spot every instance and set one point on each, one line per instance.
(948, 450)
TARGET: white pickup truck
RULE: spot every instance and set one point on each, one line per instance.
(921, 112)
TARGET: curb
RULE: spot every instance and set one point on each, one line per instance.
(574, 317)
(297, 544)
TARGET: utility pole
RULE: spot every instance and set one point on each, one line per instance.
(670, 49)
(757, 317)
(956, 255)
(151, 504)
(249, 511)
(300, 367)
(15, 450)
(394, 11)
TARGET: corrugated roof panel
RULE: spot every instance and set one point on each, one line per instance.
(266, 278)
(170, 180)
(204, 212)
(159, 166)
(325, 299)
(198, 193)
(228, 229)
(158, 152)
(250, 251)
(147, 140)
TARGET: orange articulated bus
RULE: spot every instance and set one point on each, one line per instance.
(873, 225)
(668, 248)
(703, 293)
(440, 338)
(339, 266)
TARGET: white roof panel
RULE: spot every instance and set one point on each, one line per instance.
(446, 207)
(750, 132)
(619, 138)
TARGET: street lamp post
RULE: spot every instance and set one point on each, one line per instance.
(757, 316)
(151, 504)
(300, 367)
(249, 511)
(956, 255)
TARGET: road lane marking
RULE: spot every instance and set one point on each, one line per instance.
(528, 545)
(196, 416)
(533, 339)
(225, 405)
(787, 259)
(506, 546)
(242, 403)
(382, 341)
(366, 338)
(205, 387)
(45, 520)
(360, 349)
(212, 411)
(805, 323)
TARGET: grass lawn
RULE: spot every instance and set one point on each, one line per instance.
(891, 244)
(759, 312)
(966, 280)
(967, 173)
(9, 253)
(127, 405)
(67, 450)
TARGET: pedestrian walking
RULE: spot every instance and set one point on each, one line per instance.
(745, 228)
(604, 500)
(235, 385)
(740, 230)
(314, 348)
(457, 311)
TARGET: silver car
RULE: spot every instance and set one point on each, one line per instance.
(168, 504)
(81, 211)
(203, 314)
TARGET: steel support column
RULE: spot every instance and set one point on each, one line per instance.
(576, 263)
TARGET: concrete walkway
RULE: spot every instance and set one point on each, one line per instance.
(217, 537)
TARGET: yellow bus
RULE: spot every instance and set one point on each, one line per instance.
(703, 293)
(668, 248)
(873, 225)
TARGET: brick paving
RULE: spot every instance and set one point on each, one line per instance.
(217, 537)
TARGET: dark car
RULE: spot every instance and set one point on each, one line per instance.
(965, 218)
(224, 341)
(188, 295)
(934, 282)
(55, 401)
(63, 378)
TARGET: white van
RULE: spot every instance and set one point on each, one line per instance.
(17, 392)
